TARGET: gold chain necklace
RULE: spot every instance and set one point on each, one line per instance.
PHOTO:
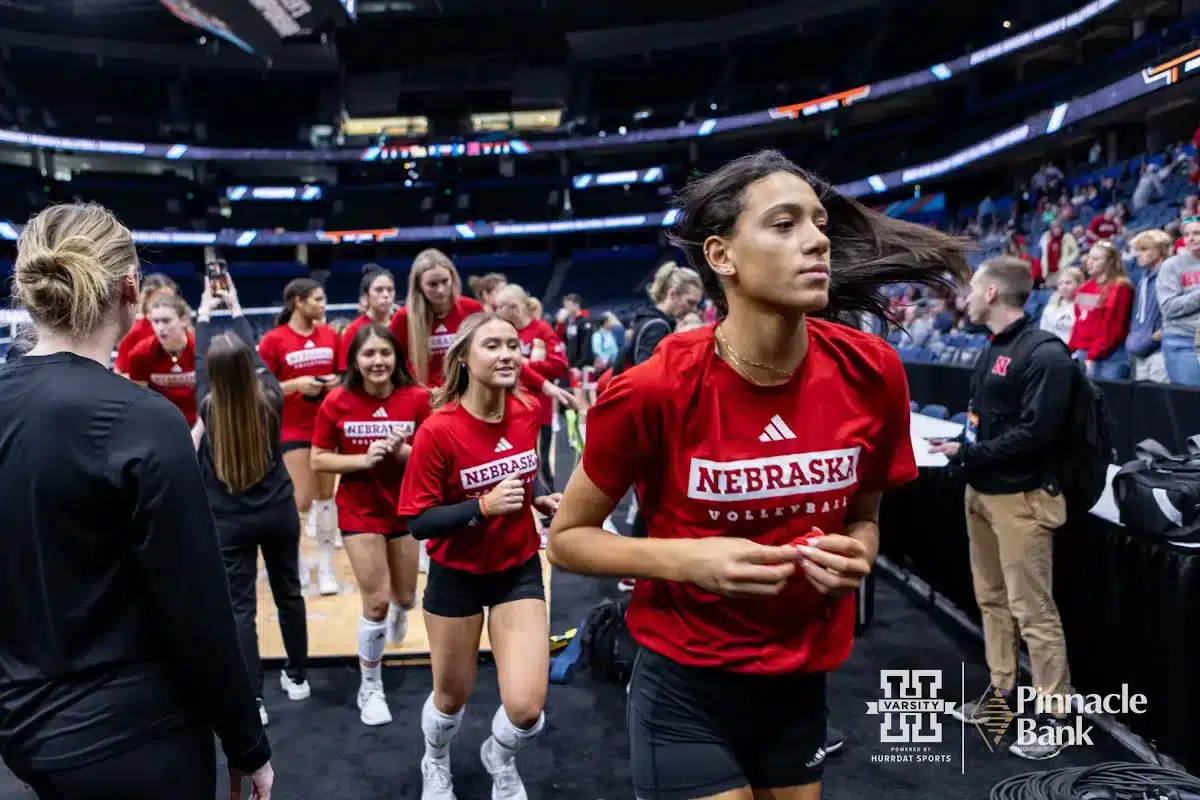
(725, 346)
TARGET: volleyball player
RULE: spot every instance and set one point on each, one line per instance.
(302, 353)
(469, 489)
(544, 362)
(760, 449)
(153, 286)
(434, 309)
(166, 361)
(484, 287)
(377, 300)
(119, 657)
(362, 433)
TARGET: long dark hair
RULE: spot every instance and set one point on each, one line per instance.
(868, 250)
(354, 378)
(240, 419)
(368, 279)
(297, 291)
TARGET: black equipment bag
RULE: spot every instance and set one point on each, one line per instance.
(608, 648)
(1158, 494)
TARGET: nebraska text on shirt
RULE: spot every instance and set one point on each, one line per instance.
(440, 342)
(773, 476)
(377, 429)
(495, 471)
(309, 357)
(175, 380)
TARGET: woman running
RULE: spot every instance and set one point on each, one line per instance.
(362, 433)
(166, 362)
(543, 363)
(153, 286)
(119, 656)
(469, 489)
(759, 449)
(377, 297)
(240, 407)
(302, 354)
(435, 308)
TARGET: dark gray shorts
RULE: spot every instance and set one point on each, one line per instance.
(696, 732)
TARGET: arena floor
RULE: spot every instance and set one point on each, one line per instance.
(322, 750)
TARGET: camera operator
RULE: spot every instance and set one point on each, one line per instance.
(1020, 405)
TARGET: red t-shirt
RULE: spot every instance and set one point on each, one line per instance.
(1103, 228)
(441, 334)
(141, 330)
(289, 355)
(457, 457)
(347, 338)
(603, 381)
(1102, 315)
(551, 368)
(711, 454)
(173, 378)
(347, 423)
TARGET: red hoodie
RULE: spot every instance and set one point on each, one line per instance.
(1102, 314)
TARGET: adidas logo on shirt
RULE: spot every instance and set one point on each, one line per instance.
(503, 445)
(380, 414)
(308, 345)
(776, 431)
(440, 329)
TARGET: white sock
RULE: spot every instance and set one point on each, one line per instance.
(439, 729)
(310, 523)
(509, 737)
(372, 639)
(324, 512)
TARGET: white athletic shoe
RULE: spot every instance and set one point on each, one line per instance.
(262, 713)
(506, 783)
(373, 704)
(327, 582)
(295, 691)
(397, 624)
(436, 781)
(337, 541)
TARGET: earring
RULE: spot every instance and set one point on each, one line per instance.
(723, 271)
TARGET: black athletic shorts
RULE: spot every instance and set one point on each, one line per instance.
(389, 536)
(287, 447)
(696, 732)
(453, 592)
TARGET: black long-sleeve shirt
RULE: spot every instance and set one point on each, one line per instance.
(276, 485)
(1021, 394)
(115, 618)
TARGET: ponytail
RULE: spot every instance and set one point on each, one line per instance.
(297, 290)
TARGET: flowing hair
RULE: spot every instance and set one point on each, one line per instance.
(456, 376)
(420, 314)
(241, 420)
(869, 251)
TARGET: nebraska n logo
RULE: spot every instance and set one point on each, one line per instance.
(776, 431)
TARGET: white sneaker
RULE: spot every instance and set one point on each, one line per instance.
(327, 582)
(397, 624)
(506, 783)
(295, 691)
(436, 781)
(337, 541)
(373, 704)
(262, 713)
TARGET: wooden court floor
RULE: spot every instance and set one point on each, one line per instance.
(333, 620)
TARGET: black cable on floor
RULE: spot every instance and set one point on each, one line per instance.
(1114, 780)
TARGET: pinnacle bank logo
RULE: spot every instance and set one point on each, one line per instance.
(773, 476)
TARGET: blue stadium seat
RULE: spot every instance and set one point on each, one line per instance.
(935, 410)
(960, 418)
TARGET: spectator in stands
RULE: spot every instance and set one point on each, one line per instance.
(605, 344)
(119, 656)
(1058, 317)
(1146, 328)
(1179, 298)
(1174, 229)
(1059, 251)
(1102, 310)
(153, 286)
(1018, 413)
(1149, 186)
(484, 287)
(1106, 194)
(1103, 226)
(675, 291)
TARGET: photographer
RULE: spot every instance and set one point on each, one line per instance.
(1020, 408)
(240, 408)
